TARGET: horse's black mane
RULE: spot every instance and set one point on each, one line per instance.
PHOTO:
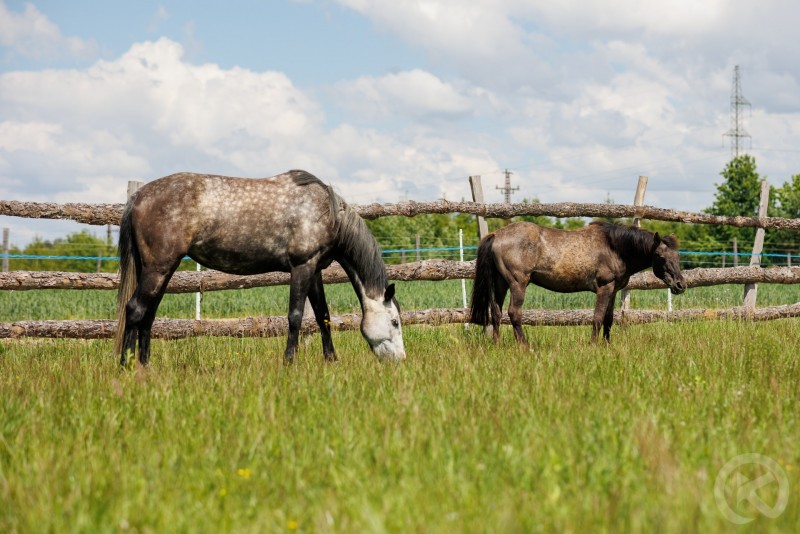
(627, 241)
(357, 245)
(630, 240)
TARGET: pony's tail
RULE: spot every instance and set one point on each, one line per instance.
(127, 274)
(483, 304)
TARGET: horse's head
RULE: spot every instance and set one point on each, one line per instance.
(380, 326)
(667, 263)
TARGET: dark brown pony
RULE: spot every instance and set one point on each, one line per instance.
(291, 222)
(600, 257)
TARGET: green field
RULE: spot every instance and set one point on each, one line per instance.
(217, 435)
(95, 304)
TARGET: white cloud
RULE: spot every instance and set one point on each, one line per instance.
(32, 35)
(150, 112)
(414, 93)
(678, 17)
(132, 116)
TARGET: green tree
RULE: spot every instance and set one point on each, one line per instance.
(738, 194)
(787, 204)
(569, 223)
(75, 245)
(787, 199)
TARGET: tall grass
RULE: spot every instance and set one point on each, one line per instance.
(218, 436)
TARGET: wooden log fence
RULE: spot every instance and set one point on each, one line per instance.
(432, 270)
(103, 214)
(277, 326)
(426, 270)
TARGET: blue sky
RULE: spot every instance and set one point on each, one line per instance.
(389, 100)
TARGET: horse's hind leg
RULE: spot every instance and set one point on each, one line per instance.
(141, 309)
(608, 320)
(129, 342)
(515, 311)
(496, 307)
(604, 303)
(301, 279)
(316, 295)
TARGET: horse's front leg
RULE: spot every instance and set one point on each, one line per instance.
(301, 279)
(605, 296)
(316, 295)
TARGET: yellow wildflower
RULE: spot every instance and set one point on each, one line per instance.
(244, 473)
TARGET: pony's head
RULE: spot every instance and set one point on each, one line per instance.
(667, 263)
(381, 327)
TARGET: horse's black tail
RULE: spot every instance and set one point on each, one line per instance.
(127, 273)
(483, 304)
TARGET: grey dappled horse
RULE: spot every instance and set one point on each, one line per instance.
(600, 257)
(292, 223)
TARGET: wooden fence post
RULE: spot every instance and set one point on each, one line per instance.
(750, 290)
(5, 250)
(638, 201)
(477, 197)
(483, 227)
(133, 186)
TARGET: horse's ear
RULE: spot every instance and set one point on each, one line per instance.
(389, 294)
(656, 240)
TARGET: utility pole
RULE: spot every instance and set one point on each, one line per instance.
(507, 189)
(738, 101)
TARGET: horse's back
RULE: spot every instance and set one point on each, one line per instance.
(240, 225)
(558, 260)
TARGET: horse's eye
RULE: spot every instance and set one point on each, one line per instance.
(395, 323)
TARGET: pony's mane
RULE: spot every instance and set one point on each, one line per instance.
(356, 243)
(359, 247)
(626, 240)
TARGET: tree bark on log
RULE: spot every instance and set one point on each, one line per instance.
(277, 326)
(95, 214)
(427, 270)
(102, 214)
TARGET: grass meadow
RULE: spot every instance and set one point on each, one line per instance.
(217, 435)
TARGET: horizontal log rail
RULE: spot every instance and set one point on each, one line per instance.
(426, 270)
(277, 326)
(103, 214)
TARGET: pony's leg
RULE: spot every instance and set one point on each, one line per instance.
(316, 295)
(515, 311)
(301, 279)
(141, 309)
(608, 320)
(129, 341)
(496, 309)
(604, 296)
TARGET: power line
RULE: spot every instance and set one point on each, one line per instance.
(738, 101)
